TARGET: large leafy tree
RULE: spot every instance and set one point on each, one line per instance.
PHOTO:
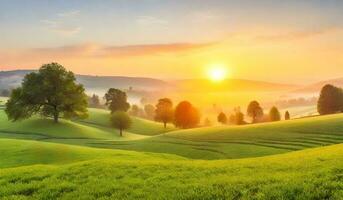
(186, 116)
(116, 100)
(120, 120)
(255, 111)
(50, 92)
(164, 111)
(330, 100)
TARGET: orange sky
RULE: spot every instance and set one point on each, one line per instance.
(296, 56)
(289, 42)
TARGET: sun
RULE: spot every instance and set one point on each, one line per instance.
(217, 72)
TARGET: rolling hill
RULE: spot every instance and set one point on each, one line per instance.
(221, 142)
(86, 159)
(100, 84)
(315, 87)
(309, 174)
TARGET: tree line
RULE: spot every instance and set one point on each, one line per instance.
(255, 112)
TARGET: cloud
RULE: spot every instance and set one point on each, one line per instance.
(298, 35)
(85, 51)
(65, 24)
(71, 13)
(149, 20)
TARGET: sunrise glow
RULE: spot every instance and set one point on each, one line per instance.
(218, 72)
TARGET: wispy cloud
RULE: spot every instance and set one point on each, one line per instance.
(71, 13)
(149, 20)
(64, 24)
(89, 50)
(298, 35)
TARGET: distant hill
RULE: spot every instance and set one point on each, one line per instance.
(10, 79)
(231, 85)
(316, 87)
(99, 84)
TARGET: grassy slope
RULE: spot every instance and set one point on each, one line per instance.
(100, 118)
(16, 153)
(309, 174)
(242, 141)
(95, 128)
(203, 143)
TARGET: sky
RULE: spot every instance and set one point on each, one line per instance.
(271, 40)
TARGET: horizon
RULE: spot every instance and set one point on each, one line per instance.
(151, 39)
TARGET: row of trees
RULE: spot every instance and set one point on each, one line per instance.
(255, 111)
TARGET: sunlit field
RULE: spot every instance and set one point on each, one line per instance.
(172, 99)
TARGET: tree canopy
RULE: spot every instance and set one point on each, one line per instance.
(164, 111)
(120, 120)
(255, 111)
(50, 92)
(149, 111)
(116, 100)
(186, 116)
(222, 118)
(287, 116)
(330, 100)
(274, 114)
(94, 101)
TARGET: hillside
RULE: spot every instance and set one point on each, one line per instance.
(100, 84)
(10, 79)
(309, 174)
(315, 87)
(219, 142)
(230, 85)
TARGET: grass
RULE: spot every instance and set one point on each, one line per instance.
(224, 142)
(100, 118)
(220, 142)
(309, 174)
(16, 153)
(43, 160)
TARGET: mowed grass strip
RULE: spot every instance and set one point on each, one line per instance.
(309, 174)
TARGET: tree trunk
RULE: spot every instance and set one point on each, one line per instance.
(121, 132)
(165, 124)
(56, 117)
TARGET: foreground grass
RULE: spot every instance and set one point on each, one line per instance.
(309, 174)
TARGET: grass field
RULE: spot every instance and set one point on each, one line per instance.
(220, 142)
(87, 159)
(309, 174)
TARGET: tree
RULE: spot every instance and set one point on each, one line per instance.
(222, 118)
(254, 111)
(164, 111)
(94, 101)
(274, 114)
(120, 120)
(186, 116)
(207, 122)
(134, 110)
(287, 116)
(5, 93)
(149, 111)
(51, 92)
(239, 118)
(330, 100)
(116, 100)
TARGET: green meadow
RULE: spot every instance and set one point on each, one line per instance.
(86, 159)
